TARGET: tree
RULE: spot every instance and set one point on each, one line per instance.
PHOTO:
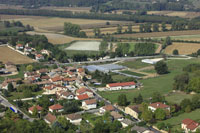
(29, 68)
(194, 84)
(157, 97)
(5, 93)
(185, 103)
(147, 115)
(141, 28)
(160, 114)
(164, 26)
(115, 126)
(198, 52)
(35, 112)
(175, 52)
(160, 125)
(161, 67)
(155, 27)
(27, 93)
(130, 28)
(97, 32)
(71, 107)
(119, 29)
(188, 109)
(138, 99)
(181, 82)
(10, 87)
(122, 100)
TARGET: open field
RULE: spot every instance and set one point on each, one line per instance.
(160, 34)
(182, 14)
(187, 37)
(194, 115)
(7, 54)
(72, 9)
(84, 45)
(59, 38)
(135, 64)
(162, 84)
(132, 73)
(177, 97)
(183, 48)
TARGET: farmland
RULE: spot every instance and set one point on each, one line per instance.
(132, 73)
(84, 45)
(135, 64)
(7, 54)
(151, 84)
(183, 48)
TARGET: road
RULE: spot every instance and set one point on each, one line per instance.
(6, 103)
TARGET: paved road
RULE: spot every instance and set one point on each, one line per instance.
(6, 103)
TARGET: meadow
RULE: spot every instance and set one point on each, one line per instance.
(135, 64)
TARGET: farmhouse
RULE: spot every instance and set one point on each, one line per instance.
(65, 94)
(39, 57)
(121, 86)
(82, 97)
(19, 46)
(84, 90)
(158, 105)
(74, 118)
(116, 116)
(49, 118)
(189, 125)
(56, 107)
(126, 122)
(106, 108)
(31, 109)
(152, 61)
(89, 104)
(133, 111)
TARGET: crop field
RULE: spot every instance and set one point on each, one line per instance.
(7, 54)
(160, 34)
(183, 48)
(132, 73)
(59, 38)
(84, 45)
(135, 64)
(183, 14)
(187, 37)
(162, 84)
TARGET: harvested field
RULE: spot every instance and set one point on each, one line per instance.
(188, 37)
(183, 48)
(59, 38)
(183, 14)
(7, 54)
(160, 34)
(84, 45)
(72, 9)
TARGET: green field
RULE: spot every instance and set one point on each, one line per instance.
(73, 52)
(162, 84)
(194, 115)
(136, 64)
(149, 71)
(132, 73)
(177, 97)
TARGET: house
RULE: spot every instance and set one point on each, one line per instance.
(11, 67)
(89, 104)
(42, 71)
(121, 86)
(46, 77)
(189, 125)
(158, 105)
(126, 123)
(106, 108)
(133, 111)
(39, 57)
(31, 109)
(56, 80)
(116, 116)
(74, 118)
(5, 83)
(84, 90)
(65, 94)
(139, 129)
(67, 81)
(19, 46)
(44, 51)
(56, 107)
(82, 97)
(49, 118)
(27, 50)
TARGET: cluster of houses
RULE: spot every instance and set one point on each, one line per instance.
(29, 50)
(9, 68)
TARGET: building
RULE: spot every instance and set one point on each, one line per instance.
(106, 108)
(84, 90)
(140, 129)
(56, 108)
(39, 57)
(31, 109)
(189, 125)
(121, 86)
(82, 97)
(152, 61)
(19, 46)
(65, 94)
(49, 118)
(117, 116)
(56, 80)
(133, 111)
(158, 105)
(74, 118)
(89, 104)
(126, 123)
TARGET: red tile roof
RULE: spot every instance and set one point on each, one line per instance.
(56, 107)
(109, 107)
(50, 87)
(74, 116)
(45, 77)
(51, 118)
(91, 101)
(37, 107)
(122, 84)
(39, 55)
(159, 105)
(19, 45)
(55, 79)
(83, 90)
(69, 79)
(83, 97)
(80, 70)
(190, 124)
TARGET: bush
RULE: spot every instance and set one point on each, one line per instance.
(175, 52)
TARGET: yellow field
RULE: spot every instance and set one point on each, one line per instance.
(59, 38)
(183, 14)
(183, 48)
(7, 54)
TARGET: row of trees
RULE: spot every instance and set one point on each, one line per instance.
(73, 30)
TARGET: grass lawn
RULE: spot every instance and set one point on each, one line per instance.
(136, 64)
(133, 73)
(149, 71)
(177, 97)
(118, 77)
(162, 84)
(194, 115)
